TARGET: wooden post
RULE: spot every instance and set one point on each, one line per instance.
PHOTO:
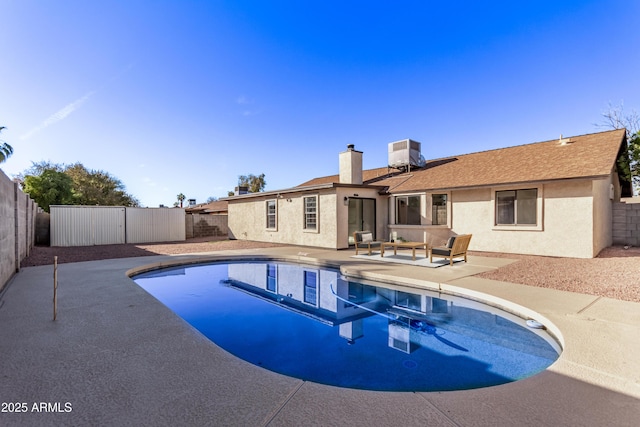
(55, 287)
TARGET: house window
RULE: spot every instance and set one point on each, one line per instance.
(271, 214)
(311, 287)
(311, 213)
(516, 207)
(272, 281)
(439, 209)
(408, 300)
(361, 294)
(408, 210)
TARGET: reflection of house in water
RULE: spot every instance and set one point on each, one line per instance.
(308, 291)
(327, 297)
(415, 317)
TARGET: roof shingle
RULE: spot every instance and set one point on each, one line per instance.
(582, 156)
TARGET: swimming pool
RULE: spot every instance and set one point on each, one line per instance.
(314, 324)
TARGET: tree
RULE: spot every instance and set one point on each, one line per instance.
(97, 187)
(212, 199)
(181, 198)
(51, 187)
(629, 162)
(255, 184)
(88, 187)
(5, 149)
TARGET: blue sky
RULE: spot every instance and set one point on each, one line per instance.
(183, 96)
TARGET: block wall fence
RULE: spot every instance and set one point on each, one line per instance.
(626, 224)
(205, 225)
(17, 227)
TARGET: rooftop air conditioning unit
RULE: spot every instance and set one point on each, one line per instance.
(405, 154)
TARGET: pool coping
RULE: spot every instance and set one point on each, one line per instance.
(112, 338)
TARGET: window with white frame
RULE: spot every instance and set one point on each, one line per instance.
(408, 210)
(311, 213)
(438, 209)
(272, 278)
(271, 214)
(517, 207)
(311, 287)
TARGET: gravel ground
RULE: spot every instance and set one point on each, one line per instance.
(615, 273)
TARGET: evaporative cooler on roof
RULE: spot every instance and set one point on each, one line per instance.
(405, 154)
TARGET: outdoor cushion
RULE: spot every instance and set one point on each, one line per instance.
(441, 251)
(450, 242)
(364, 239)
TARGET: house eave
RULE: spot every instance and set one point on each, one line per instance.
(498, 184)
(275, 193)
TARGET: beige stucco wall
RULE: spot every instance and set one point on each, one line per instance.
(604, 194)
(575, 219)
(247, 220)
(566, 230)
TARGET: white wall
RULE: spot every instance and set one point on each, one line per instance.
(146, 225)
(104, 225)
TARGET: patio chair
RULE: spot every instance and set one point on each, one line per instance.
(456, 247)
(364, 239)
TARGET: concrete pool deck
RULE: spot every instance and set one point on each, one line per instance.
(117, 356)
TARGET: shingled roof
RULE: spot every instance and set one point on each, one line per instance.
(217, 206)
(585, 156)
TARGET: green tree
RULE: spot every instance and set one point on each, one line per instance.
(97, 187)
(5, 149)
(88, 187)
(181, 198)
(51, 187)
(254, 184)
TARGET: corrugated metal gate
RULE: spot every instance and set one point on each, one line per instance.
(105, 225)
(146, 225)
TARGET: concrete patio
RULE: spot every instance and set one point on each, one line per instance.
(117, 356)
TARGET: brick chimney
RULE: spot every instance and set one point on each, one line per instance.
(351, 166)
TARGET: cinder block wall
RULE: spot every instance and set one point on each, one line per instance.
(205, 225)
(17, 224)
(7, 229)
(626, 224)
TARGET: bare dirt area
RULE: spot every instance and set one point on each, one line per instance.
(615, 273)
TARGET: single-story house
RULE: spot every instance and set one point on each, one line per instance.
(549, 198)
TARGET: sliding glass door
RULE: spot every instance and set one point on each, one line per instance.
(362, 216)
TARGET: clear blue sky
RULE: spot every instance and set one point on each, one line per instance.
(183, 96)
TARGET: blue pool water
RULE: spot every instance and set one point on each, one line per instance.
(314, 324)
